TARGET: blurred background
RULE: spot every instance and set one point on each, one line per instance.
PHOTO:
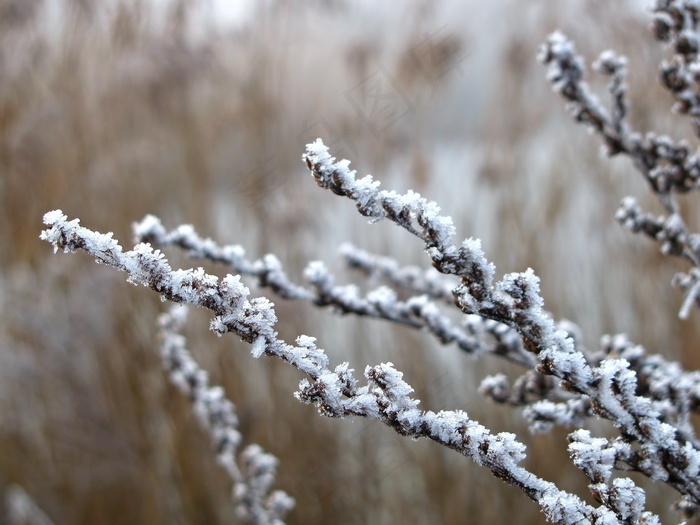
(198, 112)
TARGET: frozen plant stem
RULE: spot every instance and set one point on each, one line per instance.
(253, 471)
(673, 391)
(668, 166)
(385, 397)
(418, 311)
(516, 302)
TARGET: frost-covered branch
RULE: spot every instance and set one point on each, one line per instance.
(411, 280)
(336, 393)
(676, 22)
(668, 166)
(674, 393)
(253, 471)
(547, 404)
(416, 311)
(516, 302)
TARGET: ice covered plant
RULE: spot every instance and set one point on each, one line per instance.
(668, 166)
(252, 471)
(647, 398)
(337, 392)
(514, 302)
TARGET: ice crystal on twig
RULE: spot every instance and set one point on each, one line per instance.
(386, 396)
(668, 166)
(417, 311)
(253, 470)
(516, 301)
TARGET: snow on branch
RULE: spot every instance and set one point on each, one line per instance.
(547, 404)
(676, 22)
(516, 302)
(668, 166)
(386, 397)
(416, 311)
(253, 471)
(410, 279)
(673, 392)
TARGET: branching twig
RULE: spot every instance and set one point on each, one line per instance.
(516, 302)
(416, 311)
(253, 472)
(386, 397)
(667, 166)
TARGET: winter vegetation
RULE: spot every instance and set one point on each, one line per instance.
(506, 231)
(565, 385)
